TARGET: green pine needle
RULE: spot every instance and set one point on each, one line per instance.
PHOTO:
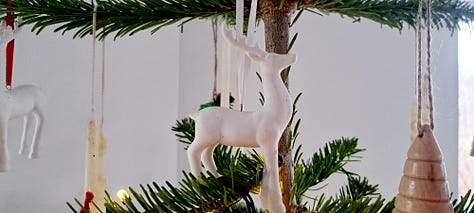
(327, 161)
(464, 204)
(127, 17)
(184, 130)
(241, 174)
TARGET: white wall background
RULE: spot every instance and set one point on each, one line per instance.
(356, 78)
(141, 106)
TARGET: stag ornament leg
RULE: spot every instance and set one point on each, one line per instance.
(23, 101)
(261, 128)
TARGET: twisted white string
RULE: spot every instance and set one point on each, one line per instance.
(428, 64)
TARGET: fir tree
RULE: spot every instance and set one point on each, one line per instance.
(119, 17)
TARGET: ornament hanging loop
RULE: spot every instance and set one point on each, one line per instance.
(421, 82)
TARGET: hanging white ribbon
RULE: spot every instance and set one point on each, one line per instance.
(244, 63)
(225, 73)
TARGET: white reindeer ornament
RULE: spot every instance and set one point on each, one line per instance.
(262, 128)
(26, 101)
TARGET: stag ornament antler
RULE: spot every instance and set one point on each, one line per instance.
(262, 128)
(8, 33)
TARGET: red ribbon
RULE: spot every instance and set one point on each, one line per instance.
(87, 202)
(10, 48)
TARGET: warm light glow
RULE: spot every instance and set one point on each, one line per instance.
(122, 195)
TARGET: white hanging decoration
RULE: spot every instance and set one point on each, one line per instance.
(95, 180)
(262, 128)
(225, 74)
(239, 27)
(25, 101)
(22, 101)
(244, 63)
(239, 16)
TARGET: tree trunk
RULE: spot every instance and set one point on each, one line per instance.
(277, 30)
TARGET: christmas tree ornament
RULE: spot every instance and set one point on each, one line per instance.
(423, 187)
(25, 101)
(22, 101)
(225, 74)
(96, 145)
(244, 64)
(261, 128)
(216, 97)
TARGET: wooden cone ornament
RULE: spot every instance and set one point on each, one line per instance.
(423, 187)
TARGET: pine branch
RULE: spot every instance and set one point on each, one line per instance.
(127, 17)
(184, 130)
(464, 204)
(324, 163)
(240, 208)
(122, 17)
(395, 13)
(241, 174)
(357, 196)
(357, 188)
(347, 205)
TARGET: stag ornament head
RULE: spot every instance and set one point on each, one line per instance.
(278, 62)
(268, 61)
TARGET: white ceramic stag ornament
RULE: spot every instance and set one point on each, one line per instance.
(26, 101)
(262, 128)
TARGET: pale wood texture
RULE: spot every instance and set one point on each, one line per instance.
(423, 187)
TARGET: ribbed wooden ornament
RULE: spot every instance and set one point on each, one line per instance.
(423, 187)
